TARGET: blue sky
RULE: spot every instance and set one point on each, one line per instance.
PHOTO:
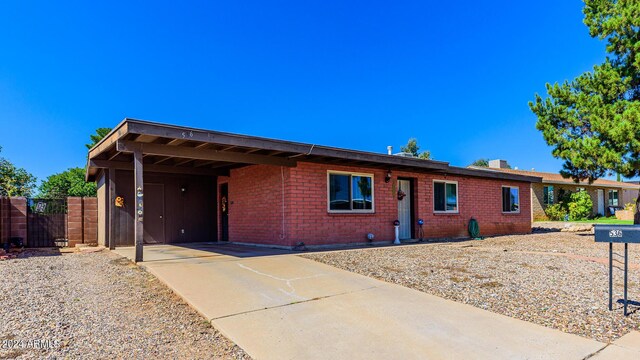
(357, 74)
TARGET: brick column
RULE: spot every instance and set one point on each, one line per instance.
(18, 221)
(74, 221)
(90, 220)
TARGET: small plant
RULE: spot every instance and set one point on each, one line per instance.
(581, 206)
(555, 212)
(630, 206)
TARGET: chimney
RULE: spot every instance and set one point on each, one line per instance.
(389, 150)
(498, 164)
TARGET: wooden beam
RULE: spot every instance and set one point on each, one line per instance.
(145, 138)
(124, 165)
(175, 132)
(111, 208)
(109, 140)
(297, 149)
(203, 154)
(163, 160)
(176, 141)
(182, 162)
(138, 213)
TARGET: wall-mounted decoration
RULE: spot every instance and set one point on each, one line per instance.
(223, 204)
(140, 212)
(119, 201)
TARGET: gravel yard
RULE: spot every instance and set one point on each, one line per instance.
(98, 305)
(559, 280)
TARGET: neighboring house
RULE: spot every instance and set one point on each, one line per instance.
(201, 185)
(604, 193)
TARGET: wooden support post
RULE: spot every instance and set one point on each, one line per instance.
(111, 208)
(139, 202)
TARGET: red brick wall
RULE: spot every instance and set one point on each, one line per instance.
(477, 197)
(18, 206)
(256, 212)
(255, 205)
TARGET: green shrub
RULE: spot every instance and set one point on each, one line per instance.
(581, 206)
(555, 212)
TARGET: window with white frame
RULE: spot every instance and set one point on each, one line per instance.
(510, 199)
(613, 198)
(445, 196)
(350, 192)
(547, 195)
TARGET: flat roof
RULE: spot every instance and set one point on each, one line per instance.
(171, 148)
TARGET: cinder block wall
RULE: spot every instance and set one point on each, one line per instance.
(90, 220)
(82, 220)
(74, 221)
(18, 218)
(5, 220)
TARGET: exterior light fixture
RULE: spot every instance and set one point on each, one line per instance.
(387, 177)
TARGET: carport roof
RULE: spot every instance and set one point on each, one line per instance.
(176, 149)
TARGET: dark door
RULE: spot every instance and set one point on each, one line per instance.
(224, 212)
(154, 213)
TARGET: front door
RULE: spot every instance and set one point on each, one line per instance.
(154, 213)
(404, 208)
(224, 212)
(601, 202)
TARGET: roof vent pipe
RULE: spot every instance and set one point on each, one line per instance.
(389, 150)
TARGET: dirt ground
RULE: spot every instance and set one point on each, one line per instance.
(98, 305)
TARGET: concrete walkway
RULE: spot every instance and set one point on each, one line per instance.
(279, 306)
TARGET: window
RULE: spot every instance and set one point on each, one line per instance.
(510, 199)
(613, 198)
(445, 196)
(547, 195)
(350, 192)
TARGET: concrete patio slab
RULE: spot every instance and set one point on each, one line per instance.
(276, 305)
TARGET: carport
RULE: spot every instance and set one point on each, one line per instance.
(135, 163)
(158, 183)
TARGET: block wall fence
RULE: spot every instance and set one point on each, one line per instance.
(81, 224)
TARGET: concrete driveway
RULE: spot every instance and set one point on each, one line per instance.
(276, 305)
